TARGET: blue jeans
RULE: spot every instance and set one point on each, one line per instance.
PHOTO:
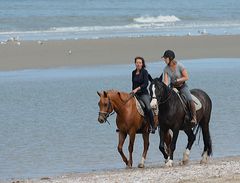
(184, 90)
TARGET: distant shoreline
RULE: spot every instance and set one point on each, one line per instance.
(218, 170)
(20, 55)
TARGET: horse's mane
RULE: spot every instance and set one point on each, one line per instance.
(115, 91)
(112, 90)
(123, 96)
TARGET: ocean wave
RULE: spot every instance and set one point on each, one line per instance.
(129, 30)
(135, 27)
(158, 19)
(128, 27)
(105, 28)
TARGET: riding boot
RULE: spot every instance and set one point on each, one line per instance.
(151, 120)
(193, 113)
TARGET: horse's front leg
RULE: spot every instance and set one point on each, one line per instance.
(161, 145)
(132, 135)
(169, 163)
(145, 137)
(122, 137)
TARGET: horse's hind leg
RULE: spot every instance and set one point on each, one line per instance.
(122, 137)
(191, 139)
(145, 137)
(207, 141)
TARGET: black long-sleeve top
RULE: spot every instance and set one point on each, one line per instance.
(141, 80)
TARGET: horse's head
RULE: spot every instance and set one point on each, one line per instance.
(157, 89)
(105, 107)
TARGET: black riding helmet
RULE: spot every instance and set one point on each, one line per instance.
(169, 54)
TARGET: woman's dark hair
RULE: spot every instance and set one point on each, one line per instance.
(143, 61)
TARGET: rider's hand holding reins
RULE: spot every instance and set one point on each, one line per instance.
(136, 89)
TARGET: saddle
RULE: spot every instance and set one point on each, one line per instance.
(186, 108)
(141, 107)
(141, 110)
(198, 104)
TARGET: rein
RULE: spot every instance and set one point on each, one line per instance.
(107, 113)
(169, 95)
(164, 101)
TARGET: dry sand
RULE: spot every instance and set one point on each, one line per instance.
(218, 170)
(71, 53)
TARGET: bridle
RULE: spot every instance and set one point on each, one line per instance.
(106, 114)
(159, 98)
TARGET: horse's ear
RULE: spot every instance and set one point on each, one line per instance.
(120, 96)
(105, 94)
(99, 94)
(150, 78)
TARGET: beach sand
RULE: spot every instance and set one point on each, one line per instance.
(17, 55)
(219, 170)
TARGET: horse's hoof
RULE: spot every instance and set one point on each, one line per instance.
(186, 155)
(169, 163)
(128, 167)
(184, 162)
(204, 158)
(140, 165)
(203, 162)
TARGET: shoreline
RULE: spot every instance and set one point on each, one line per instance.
(217, 170)
(21, 55)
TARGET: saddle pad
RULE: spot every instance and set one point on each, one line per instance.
(140, 110)
(198, 104)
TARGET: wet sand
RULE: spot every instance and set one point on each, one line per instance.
(18, 55)
(218, 170)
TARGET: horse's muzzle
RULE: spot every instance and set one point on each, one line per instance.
(101, 119)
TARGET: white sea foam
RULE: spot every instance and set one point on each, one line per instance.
(157, 19)
(103, 28)
(129, 30)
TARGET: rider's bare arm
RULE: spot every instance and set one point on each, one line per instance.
(165, 78)
(184, 76)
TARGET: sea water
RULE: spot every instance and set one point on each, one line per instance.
(81, 19)
(48, 118)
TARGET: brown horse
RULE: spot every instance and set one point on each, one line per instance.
(128, 121)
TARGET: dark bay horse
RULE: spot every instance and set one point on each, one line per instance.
(128, 121)
(172, 114)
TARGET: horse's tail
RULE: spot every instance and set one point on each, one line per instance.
(210, 152)
(206, 138)
(204, 122)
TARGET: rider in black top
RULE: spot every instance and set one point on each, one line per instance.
(139, 87)
(141, 80)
